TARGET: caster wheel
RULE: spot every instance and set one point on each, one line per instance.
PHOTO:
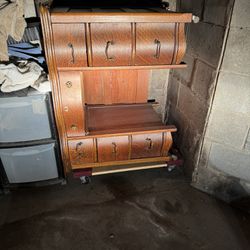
(64, 182)
(6, 191)
(85, 179)
(171, 168)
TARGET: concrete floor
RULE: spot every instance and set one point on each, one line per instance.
(150, 209)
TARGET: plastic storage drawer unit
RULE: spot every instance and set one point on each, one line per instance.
(29, 164)
(24, 118)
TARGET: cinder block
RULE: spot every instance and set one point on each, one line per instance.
(241, 17)
(228, 128)
(185, 75)
(191, 106)
(190, 142)
(175, 117)
(237, 54)
(247, 141)
(195, 6)
(233, 93)
(217, 12)
(205, 153)
(173, 89)
(205, 41)
(230, 161)
(203, 79)
(159, 78)
(219, 184)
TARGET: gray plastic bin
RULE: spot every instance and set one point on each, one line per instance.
(29, 164)
(24, 119)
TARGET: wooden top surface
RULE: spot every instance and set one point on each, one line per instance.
(63, 15)
(113, 119)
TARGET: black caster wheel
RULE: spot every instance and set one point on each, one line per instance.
(64, 182)
(85, 179)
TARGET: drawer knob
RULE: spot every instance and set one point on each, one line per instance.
(66, 108)
(158, 48)
(150, 143)
(107, 50)
(70, 45)
(68, 84)
(73, 127)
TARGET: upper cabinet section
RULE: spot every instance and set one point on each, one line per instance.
(92, 40)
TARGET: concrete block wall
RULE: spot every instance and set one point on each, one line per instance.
(224, 166)
(158, 86)
(190, 90)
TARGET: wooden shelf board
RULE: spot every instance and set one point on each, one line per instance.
(178, 66)
(115, 119)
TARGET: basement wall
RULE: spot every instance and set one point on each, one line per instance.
(223, 168)
(190, 91)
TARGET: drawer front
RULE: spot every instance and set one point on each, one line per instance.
(70, 45)
(82, 151)
(113, 148)
(146, 145)
(155, 43)
(111, 44)
(72, 102)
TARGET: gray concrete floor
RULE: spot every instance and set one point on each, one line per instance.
(150, 209)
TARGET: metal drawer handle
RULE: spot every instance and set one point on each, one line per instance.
(73, 127)
(68, 84)
(106, 50)
(80, 154)
(70, 45)
(114, 148)
(150, 143)
(78, 145)
(158, 49)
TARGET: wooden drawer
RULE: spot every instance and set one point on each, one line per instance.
(146, 145)
(82, 151)
(113, 148)
(69, 44)
(72, 102)
(111, 44)
(155, 43)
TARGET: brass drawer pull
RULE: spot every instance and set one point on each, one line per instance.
(78, 145)
(158, 49)
(73, 127)
(80, 154)
(114, 148)
(72, 52)
(68, 84)
(150, 143)
(106, 50)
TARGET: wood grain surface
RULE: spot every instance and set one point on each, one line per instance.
(111, 44)
(115, 118)
(146, 145)
(70, 44)
(121, 17)
(113, 148)
(148, 52)
(82, 151)
(72, 102)
(116, 86)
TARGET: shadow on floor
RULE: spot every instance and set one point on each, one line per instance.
(150, 209)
